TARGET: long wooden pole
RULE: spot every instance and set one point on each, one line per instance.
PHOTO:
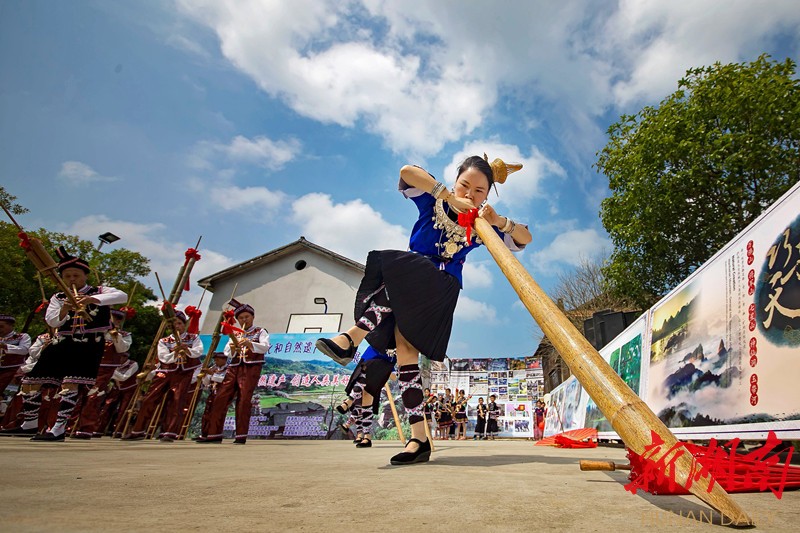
(630, 417)
(215, 337)
(394, 413)
(175, 295)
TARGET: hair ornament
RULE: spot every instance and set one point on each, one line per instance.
(501, 169)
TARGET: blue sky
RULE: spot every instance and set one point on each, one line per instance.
(254, 122)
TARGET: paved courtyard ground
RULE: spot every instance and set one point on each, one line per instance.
(108, 485)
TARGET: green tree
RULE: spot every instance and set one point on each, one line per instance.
(687, 176)
(20, 291)
(9, 201)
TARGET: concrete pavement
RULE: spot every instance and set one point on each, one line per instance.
(303, 485)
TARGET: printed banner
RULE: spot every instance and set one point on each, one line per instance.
(566, 409)
(624, 355)
(725, 343)
(515, 382)
(298, 391)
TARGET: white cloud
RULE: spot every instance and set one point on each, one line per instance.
(424, 74)
(351, 229)
(471, 310)
(656, 42)
(231, 198)
(477, 276)
(570, 247)
(154, 241)
(259, 151)
(77, 173)
(327, 68)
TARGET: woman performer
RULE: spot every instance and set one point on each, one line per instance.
(445, 416)
(407, 299)
(460, 416)
(480, 423)
(494, 413)
(364, 392)
(427, 408)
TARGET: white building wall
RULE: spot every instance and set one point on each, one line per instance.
(278, 289)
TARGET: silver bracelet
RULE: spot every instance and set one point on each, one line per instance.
(437, 189)
(509, 226)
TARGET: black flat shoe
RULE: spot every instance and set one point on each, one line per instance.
(19, 432)
(206, 440)
(240, 441)
(49, 437)
(343, 356)
(422, 454)
(345, 406)
(364, 443)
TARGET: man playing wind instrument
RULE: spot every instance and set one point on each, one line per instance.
(115, 353)
(178, 355)
(245, 350)
(72, 358)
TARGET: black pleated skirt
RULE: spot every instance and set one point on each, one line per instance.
(422, 297)
(71, 360)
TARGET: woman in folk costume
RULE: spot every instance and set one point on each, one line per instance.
(73, 356)
(460, 418)
(493, 411)
(364, 392)
(406, 300)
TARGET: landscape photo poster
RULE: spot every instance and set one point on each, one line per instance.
(724, 355)
(566, 408)
(624, 355)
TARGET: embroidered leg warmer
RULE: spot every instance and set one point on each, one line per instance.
(411, 392)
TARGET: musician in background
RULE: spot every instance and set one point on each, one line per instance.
(72, 358)
(460, 415)
(445, 414)
(115, 353)
(212, 379)
(480, 422)
(178, 356)
(123, 387)
(494, 415)
(245, 351)
(14, 349)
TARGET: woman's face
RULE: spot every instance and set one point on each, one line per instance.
(473, 185)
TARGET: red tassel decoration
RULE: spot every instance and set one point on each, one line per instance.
(191, 253)
(194, 315)
(466, 220)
